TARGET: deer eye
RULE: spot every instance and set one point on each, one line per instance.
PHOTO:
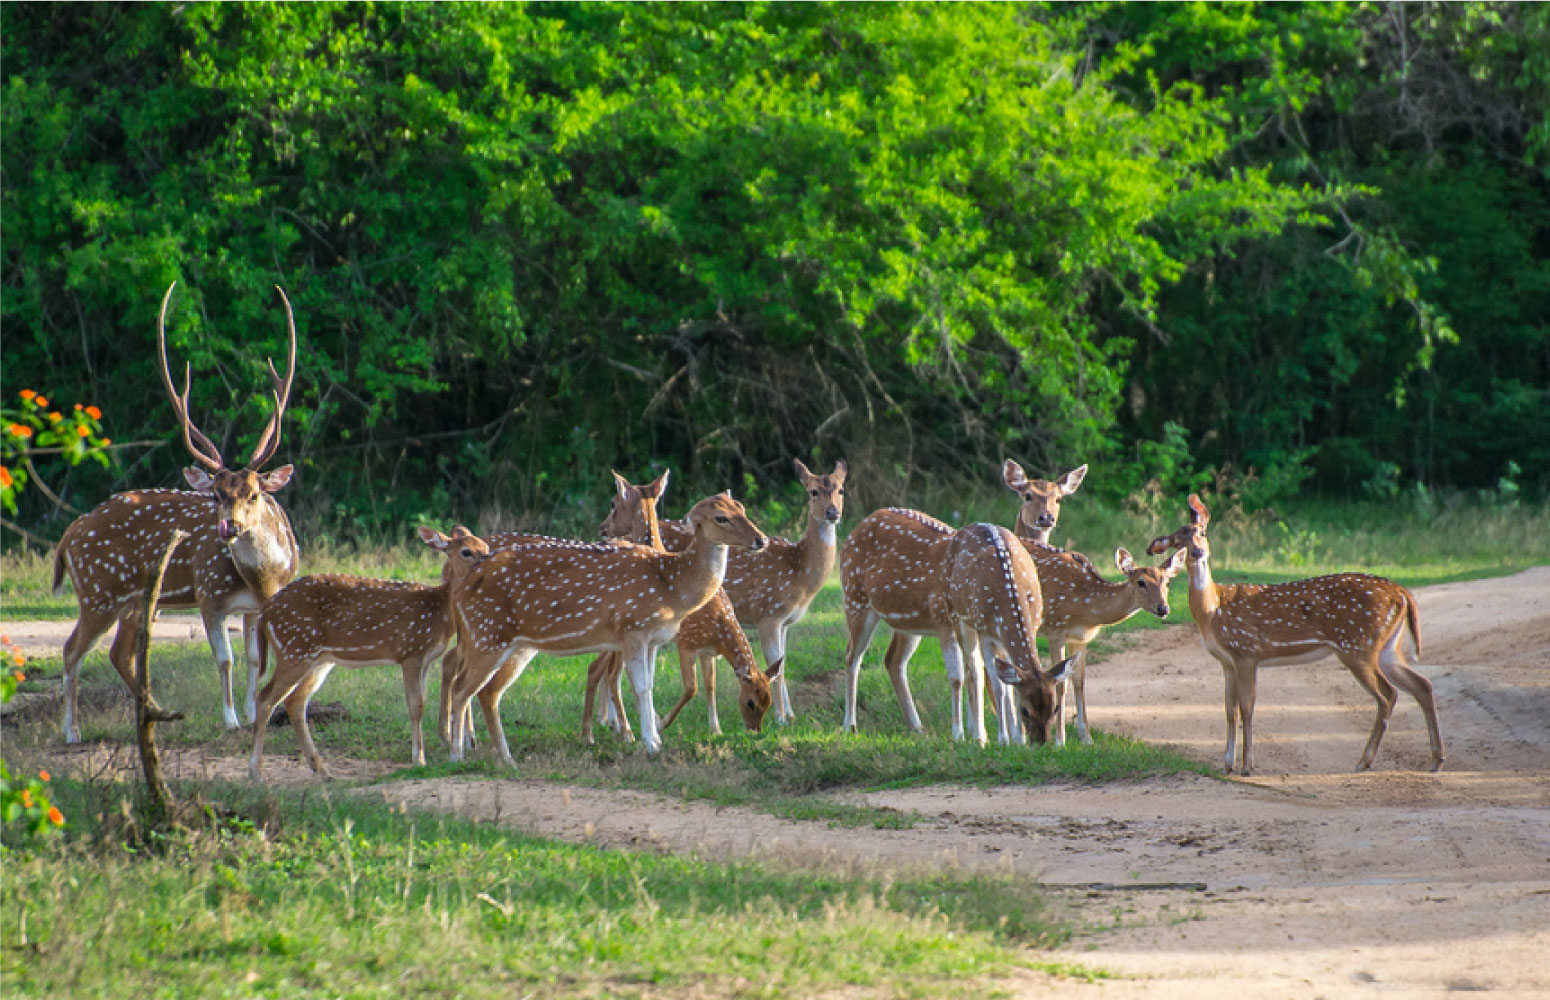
(1140, 583)
(722, 519)
(751, 704)
(812, 493)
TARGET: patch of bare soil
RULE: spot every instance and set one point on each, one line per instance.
(46, 637)
(1306, 880)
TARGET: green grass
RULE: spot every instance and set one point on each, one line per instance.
(313, 896)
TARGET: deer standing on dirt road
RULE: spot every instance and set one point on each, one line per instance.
(711, 632)
(1357, 617)
(573, 599)
(241, 551)
(319, 622)
(923, 578)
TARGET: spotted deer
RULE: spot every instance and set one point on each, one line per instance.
(1040, 499)
(570, 599)
(241, 550)
(711, 632)
(1358, 618)
(1078, 604)
(318, 622)
(923, 578)
(772, 588)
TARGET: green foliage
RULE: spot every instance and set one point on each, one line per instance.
(526, 243)
(25, 807)
(29, 427)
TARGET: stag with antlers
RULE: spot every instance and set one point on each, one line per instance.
(241, 551)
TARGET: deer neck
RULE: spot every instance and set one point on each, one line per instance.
(650, 532)
(694, 575)
(265, 556)
(816, 547)
(1111, 603)
(1204, 596)
(1028, 533)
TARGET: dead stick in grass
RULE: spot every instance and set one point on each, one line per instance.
(147, 712)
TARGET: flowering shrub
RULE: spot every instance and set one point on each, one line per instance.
(75, 434)
(23, 801)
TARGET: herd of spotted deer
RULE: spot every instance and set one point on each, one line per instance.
(983, 591)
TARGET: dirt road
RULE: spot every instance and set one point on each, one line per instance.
(1306, 880)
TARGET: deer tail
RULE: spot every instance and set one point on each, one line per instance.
(1413, 619)
(60, 562)
(263, 647)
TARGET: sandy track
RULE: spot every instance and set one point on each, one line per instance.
(1316, 881)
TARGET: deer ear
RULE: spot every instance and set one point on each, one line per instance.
(272, 482)
(199, 479)
(1124, 561)
(1159, 545)
(1174, 564)
(1071, 480)
(460, 531)
(774, 670)
(621, 484)
(840, 470)
(659, 486)
(1063, 672)
(434, 538)
(803, 473)
(1197, 511)
(1007, 672)
(1013, 474)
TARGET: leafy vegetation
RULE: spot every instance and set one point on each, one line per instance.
(1298, 245)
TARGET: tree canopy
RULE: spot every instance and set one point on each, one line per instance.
(528, 242)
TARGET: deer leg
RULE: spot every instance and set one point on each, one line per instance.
(250, 657)
(490, 700)
(1057, 652)
(1079, 683)
(897, 661)
(86, 634)
(641, 662)
(1005, 721)
(220, 645)
(1392, 662)
(708, 676)
(597, 670)
(1364, 667)
(122, 652)
(449, 664)
(1247, 685)
(296, 707)
(861, 625)
(772, 642)
(974, 680)
(469, 675)
(415, 670)
(279, 687)
(1230, 700)
(686, 670)
(621, 718)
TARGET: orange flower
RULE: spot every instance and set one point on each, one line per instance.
(41, 401)
(20, 430)
(77, 406)
(106, 442)
(55, 816)
(94, 413)
(5, 476)
(27, 394)
(56, 416)
(43, 776)
(83, 431)
(17, 673)
(5, 640)
(27, 798)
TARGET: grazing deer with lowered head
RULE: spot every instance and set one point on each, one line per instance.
(241, 549)
(923, 578)
(1359, 618)
(706, 634)
(772, 588)
(319, 622)
(1078, 603)
(574, 599)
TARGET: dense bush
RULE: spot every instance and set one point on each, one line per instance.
(530, 242)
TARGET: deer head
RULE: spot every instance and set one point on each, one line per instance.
(825, 494)
(1035, 693)
(1041, 497)
(463, 550)
(754, 697)
(723, 521)
(634, 509)
(1151, 583)
(239, 495)
(1191, 538)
